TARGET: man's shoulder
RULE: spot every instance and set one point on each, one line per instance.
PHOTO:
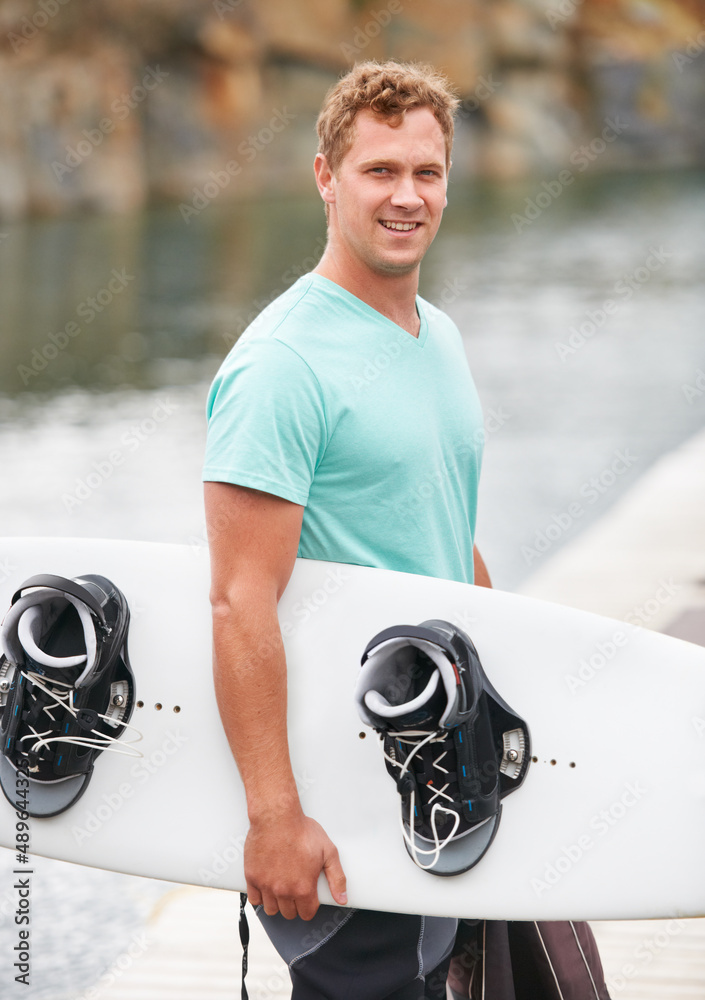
(312, 320)
(288, 342)
(285, 314)
(308, 304)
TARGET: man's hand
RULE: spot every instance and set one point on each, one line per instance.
(283, 860)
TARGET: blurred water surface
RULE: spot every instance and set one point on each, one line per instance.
(584, 328)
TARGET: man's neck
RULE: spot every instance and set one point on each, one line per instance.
(394, 296)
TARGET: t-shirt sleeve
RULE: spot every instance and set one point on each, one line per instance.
(266, 421)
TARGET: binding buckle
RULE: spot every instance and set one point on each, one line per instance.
(513, 750)
(7, 676)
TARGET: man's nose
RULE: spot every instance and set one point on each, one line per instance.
(405, 194)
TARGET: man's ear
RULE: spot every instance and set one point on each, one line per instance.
(325, 180)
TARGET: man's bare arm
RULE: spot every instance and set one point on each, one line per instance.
(253, 540)
(482, 577)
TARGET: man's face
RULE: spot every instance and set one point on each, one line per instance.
(390, 191)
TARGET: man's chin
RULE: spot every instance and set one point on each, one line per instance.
(390, 267)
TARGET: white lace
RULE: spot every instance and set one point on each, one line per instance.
(64, 699)
(435, 736)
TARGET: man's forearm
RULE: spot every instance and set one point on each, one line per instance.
(285, 851)
(251, 689)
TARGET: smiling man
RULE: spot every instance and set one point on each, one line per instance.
(386, 194)
(344, 425)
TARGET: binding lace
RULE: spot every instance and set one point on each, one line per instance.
(412, 737)
(99, 741)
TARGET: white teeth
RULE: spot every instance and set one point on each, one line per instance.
(400, 225)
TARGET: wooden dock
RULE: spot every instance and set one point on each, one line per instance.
(193, 953)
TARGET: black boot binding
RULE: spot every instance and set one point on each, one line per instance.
(66, 686)
(452, 744)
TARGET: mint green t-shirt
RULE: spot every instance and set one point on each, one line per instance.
(327, 403)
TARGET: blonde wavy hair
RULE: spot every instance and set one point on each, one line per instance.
(387, 89)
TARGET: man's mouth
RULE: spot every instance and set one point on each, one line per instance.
(403, 226)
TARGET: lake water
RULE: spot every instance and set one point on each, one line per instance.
(584, 328)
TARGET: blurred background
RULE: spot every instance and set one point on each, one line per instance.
(156, 192)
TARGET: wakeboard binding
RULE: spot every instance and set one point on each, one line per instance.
(451, 743)
(67, 689)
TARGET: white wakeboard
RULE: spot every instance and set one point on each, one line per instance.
(607, 824)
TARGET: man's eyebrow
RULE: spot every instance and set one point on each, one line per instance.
(386, 162)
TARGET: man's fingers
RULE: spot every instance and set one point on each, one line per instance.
(307, 906)
(254, 896)
(333, 870)
(270, 904)
(304, 906)
(287, 907)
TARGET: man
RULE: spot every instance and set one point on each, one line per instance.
(346, 395)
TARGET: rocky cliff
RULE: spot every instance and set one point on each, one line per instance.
(106, 104)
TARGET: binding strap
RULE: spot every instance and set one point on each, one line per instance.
(66, 587)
